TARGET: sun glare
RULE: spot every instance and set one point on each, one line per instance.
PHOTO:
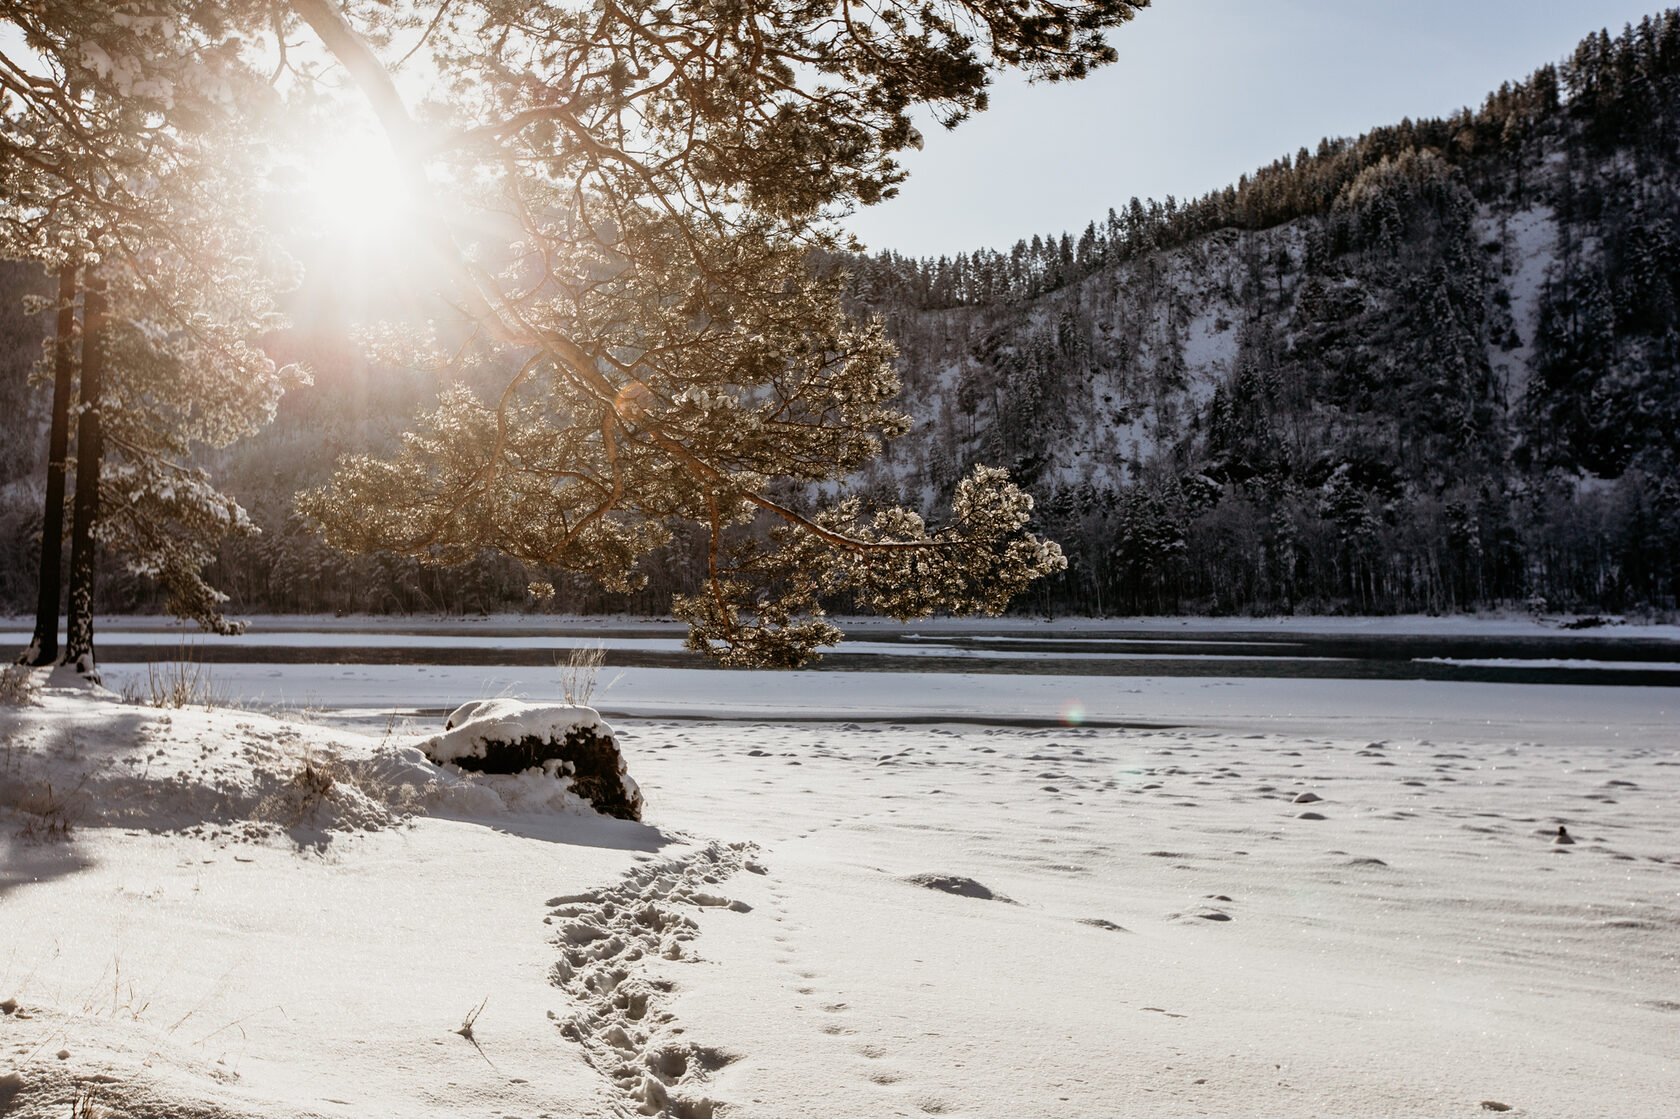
(356, 230)
(356, 189)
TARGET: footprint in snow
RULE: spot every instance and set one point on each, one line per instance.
(1102, 923)
(958, 885)
(618, 1016)
(1201, 913)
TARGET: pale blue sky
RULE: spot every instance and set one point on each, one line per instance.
(1206, 90)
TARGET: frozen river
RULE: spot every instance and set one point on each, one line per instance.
(1457, 650)
(1406, 676)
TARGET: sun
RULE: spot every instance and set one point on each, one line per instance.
(356, 228)
(354, 188)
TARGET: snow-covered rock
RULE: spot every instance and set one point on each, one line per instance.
(562, 740)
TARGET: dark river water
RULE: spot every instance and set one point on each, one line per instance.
(1066, 649)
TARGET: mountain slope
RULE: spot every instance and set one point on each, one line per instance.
(1448, 382)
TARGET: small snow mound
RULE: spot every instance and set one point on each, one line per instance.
(541, 746)
(70, 680)
(956, 884)
(472, 727)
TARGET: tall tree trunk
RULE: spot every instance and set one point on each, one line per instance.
(90, 448)
(44, 648)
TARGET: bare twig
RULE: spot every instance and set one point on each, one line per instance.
(466, 1030)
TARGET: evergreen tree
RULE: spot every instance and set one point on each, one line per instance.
(43, 646)
(130, 139)
(676, 350)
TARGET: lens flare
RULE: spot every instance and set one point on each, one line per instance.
(1073, 713)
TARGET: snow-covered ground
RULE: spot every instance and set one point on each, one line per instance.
(853, 894)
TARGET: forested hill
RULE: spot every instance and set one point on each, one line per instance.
(1433, 368)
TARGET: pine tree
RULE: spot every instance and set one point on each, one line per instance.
(676, 350)
(130, 141)
(43, 647)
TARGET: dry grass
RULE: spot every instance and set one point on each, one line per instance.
(86, 1107)
(323, 785)
(123, 999)
(46, 814)
(466, 1030)
(309, 789)
(579, 674)
(183, 682)
(309, 710)
(17, 686)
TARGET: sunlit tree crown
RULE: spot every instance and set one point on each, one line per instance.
(625, 197)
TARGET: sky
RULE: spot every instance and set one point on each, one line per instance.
(1204, 91)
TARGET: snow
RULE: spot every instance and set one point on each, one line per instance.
(1552, 662)
(209, 931)
(1210, 353)
(476, 723)
(1533, 251)
(369, 694)
(870, 894)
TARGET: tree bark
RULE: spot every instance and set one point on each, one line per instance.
(43, 649)
(90, 449)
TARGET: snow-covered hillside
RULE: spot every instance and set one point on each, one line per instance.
(1094, 381)
(1452, 382)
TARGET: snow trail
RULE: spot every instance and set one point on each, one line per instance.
(607, 938)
